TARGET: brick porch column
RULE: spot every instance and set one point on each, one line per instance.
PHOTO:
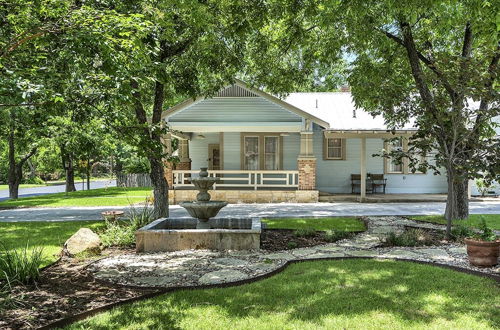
(306, 162)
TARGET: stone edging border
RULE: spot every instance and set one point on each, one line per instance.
(78, 317)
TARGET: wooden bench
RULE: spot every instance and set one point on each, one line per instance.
(356, 182)
(377, 181)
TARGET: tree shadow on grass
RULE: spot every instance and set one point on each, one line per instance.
(343, 293)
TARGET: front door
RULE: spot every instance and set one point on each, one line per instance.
(213, 157)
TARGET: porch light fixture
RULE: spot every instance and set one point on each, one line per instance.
(200, 136)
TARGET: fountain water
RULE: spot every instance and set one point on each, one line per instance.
(203, 231)
(203, 208)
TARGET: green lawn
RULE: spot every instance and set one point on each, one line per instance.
(342, 294)
(113, 196)
(49, 235)
(493, 220)
(336, 223)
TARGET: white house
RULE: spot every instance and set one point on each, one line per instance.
(266, 149)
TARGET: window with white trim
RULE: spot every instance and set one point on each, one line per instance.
(271, 152)
(392, 166)
(251, 152)
(334, 149)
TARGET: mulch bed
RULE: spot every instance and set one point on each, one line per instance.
(279, 239)
(65, 288)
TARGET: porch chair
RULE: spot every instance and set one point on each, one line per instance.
(355, 182)
(377, 181)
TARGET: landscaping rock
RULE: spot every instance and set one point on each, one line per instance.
(222, 276)
(83, 241)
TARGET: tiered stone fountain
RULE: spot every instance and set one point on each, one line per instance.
(203, 230)
(203, 208)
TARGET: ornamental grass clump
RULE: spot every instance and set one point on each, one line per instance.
(336, 235)
(410, 237)
(20, 266)
(122, 233)
(305, 232)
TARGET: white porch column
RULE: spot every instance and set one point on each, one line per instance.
(363, 170)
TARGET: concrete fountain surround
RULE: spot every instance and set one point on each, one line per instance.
(181, 234)
(200, 232)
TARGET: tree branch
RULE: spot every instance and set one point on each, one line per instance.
(467, 44)
(429, 63)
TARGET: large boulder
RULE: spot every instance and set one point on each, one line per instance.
(83, 241)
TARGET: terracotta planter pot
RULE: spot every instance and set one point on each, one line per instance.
(481, 253)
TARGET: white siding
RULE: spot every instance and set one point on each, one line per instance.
(235, 109)
(232, 156)
(335, 175)
(291, 150)
(198, 149)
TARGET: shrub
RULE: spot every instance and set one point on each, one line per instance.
(335, 235)
(20, 266)
(305, 232)
(292, 245)
(485, 233)
(118, 233)
(461, 231)
(33, 180)
(141, 216)
(410, 237)
(122, 233)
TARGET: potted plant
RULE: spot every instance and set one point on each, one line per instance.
(483, 248)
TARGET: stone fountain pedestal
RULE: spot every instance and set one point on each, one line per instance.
(203, 231)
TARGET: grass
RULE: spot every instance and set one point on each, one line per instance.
(335, 223)
(341, 294)
(47, 235)
(492, 220)
(113, 196)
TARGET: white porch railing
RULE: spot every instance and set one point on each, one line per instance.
(243, 179)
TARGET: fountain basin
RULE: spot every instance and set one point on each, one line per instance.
(174, 234)
(203, 210)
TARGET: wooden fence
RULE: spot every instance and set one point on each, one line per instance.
(133, 180)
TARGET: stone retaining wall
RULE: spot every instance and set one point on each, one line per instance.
(248, 196)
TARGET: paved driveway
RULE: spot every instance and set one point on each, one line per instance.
(255, 210)
(44, 190)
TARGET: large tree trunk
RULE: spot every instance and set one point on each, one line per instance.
(69, 170)
(457, 203)
(88, 169)
(15, 173)
(160, 188)
(157, 174)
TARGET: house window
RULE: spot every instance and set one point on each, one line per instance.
(334, 149)
(271, 153)
(261, 151)
(251, 153)
(392, 166)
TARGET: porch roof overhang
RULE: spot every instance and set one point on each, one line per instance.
(368, 133)
(211, 127)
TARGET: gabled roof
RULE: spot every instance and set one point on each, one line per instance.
(306, 115)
